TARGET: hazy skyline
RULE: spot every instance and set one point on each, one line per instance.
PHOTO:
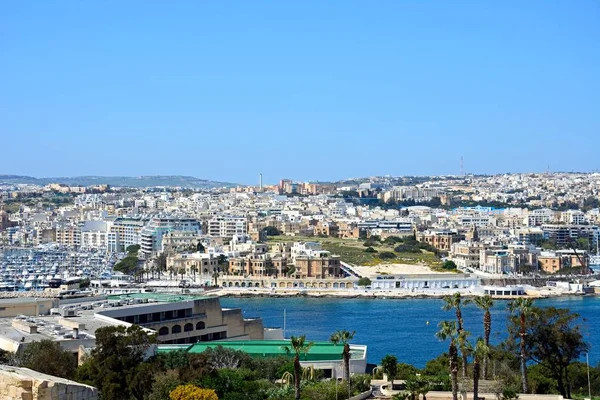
(306, 90)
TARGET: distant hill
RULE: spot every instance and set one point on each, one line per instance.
(119, 181)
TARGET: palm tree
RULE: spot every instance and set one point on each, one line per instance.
(412, 386)
(344, 337)
(416, 386)
(215, 276)
(523, 308)
(480, 353)
(465, 349)
(448, 332)
(455, 301)
(389, 365)
(298, 345)
(424, 387)
(194, 270)
(485, 303)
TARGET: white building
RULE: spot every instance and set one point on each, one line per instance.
(227, 226)
(151, 236)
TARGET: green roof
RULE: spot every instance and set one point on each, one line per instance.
(160, 297)
(320, 351)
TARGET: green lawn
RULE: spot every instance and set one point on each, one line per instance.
(353, 252)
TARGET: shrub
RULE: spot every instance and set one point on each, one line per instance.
(387, 255)
(370, 250)
(449, 265)
(364, 281)
(192, 392)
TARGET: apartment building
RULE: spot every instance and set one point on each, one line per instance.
(68, 235)
(573, 217)
(540, 216)
(175, 241)
(565, 234)
(94, 235)
(152, 234)
(124, 232)
(227, 226)
(465, 254)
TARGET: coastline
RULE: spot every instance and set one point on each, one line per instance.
(371, 294)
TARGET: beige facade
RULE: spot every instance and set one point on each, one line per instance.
(318, 267)
(466, 254)
(68, 236)
(440, 240)
(26, 306)
(192, 321)
(193, 263)
(285, 283)
(257, 265)
(25, 384)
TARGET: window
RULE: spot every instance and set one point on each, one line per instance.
(176, 329)
(200, 325)
(188, 327)
(163, 331)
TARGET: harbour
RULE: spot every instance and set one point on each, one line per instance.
(404, 327)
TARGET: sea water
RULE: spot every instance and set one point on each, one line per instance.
(403, 327)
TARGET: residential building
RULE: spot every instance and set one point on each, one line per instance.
(227, 226)
(124, 232)
(152, 234)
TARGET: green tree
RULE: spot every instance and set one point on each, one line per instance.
(485, 303)
(364, 281)
(554, 341)
(449, 332)
(449, 265)
(480, 353)
(389, 365)
(161, 262)
(116, 365)
(134, 248)
(298, 345)
(223, 262)
(404, 371)
(271, 231)
(344, 337)
(523, 308)
(200, 247)
(48, 357)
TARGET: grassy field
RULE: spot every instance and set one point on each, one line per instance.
(353, 252)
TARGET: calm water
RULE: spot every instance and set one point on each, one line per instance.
(398, 326)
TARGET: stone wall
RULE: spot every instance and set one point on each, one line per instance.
(26, 384)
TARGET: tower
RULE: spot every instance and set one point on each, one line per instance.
(462, 167)
(260, 181)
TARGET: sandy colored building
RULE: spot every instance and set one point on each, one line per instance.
(442, 240)
(25, 384)
(26, 306)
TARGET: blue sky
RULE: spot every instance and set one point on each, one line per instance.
(308, 90)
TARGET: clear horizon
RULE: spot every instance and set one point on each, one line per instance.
(311, 90)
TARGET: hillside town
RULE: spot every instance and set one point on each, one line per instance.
(298, 235)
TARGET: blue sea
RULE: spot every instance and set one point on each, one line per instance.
(403, 327)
